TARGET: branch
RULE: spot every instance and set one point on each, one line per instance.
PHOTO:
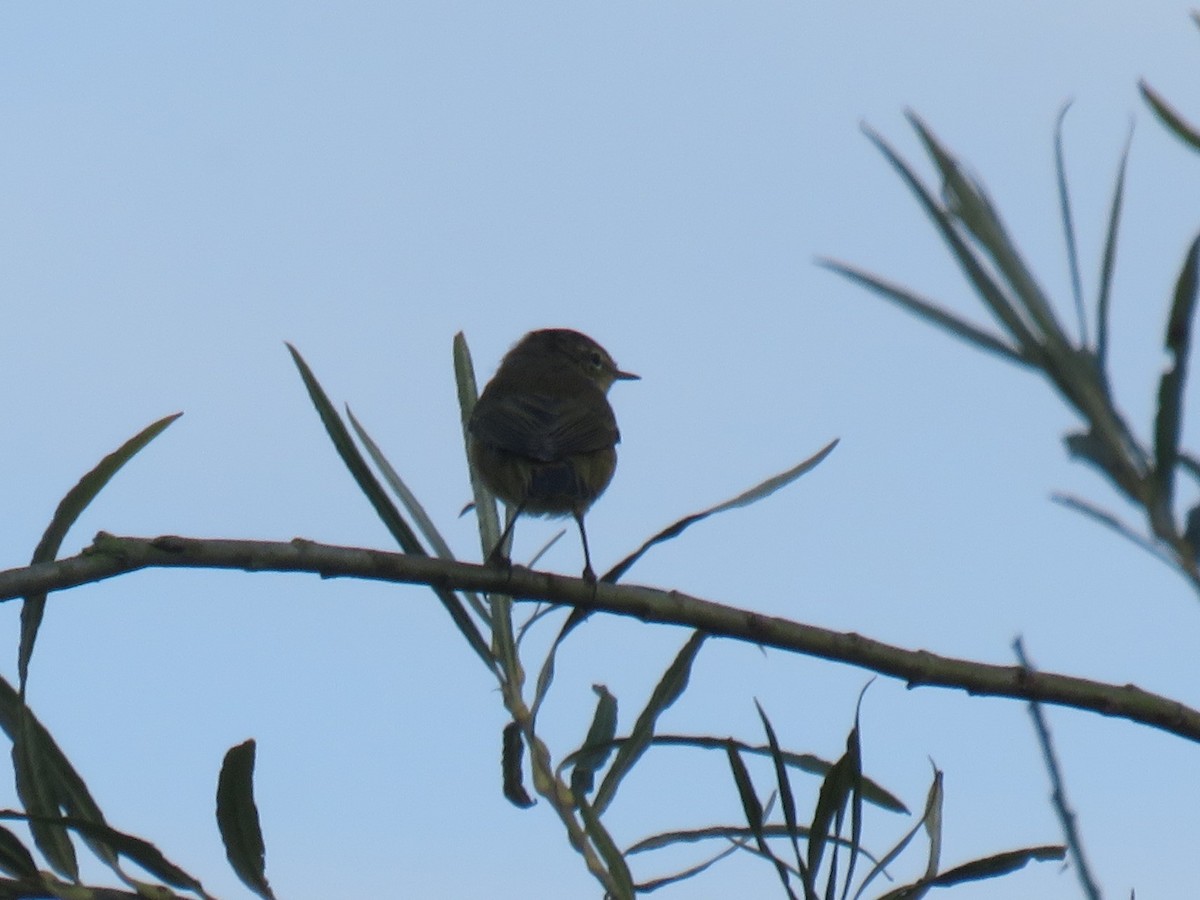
(111, 555)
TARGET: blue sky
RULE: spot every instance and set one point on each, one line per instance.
(188, 185)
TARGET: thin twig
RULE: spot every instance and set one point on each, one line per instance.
(1059, 793)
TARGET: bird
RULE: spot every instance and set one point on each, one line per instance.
(542, 436)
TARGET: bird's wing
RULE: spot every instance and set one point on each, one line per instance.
(543, 426)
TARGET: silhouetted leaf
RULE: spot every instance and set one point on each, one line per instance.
(1168, 420)
(598, 744)
(667, 691)
(1169, 117)
(1108, 262)
(756, 493)
(68, 511)
(384, 508)
(237, 819)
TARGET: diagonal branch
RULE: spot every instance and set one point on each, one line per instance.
(111, 555)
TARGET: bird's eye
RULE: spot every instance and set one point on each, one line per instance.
(596, 360)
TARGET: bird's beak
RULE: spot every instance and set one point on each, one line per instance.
(626, 376)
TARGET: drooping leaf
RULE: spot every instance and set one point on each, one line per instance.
(1166, 113)
(669, 689)
(15, 858)
(37, 789)
(137, 850)
(614, 860)
(68, 511)
(598, 745)
(237, 819)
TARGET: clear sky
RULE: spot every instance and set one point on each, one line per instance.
(185, 186)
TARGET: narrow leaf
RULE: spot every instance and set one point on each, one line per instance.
(753, 811)
(614, 860)
(992, 294)
(786, 800)
(1168, 421)
(1169, 117)
(237, 819)
(15, 858)
(974, 209)
(1068, 221)
(932, 820)
(1108, 261)
(669, 689)
(1108, 520)
(36, 788)
(68, 511)
(756, 493)
(545, 678)
(58, 783)
(831, 801)
(598, 745)
(412, 504)
(928, 310)
(384, 508)
(137, 850)
(999, 864)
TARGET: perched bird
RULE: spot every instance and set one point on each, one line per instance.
(542, 436)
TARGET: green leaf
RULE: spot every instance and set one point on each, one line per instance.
(614, 861)
(37, 789)
(1168, 421)
(412, 504)
(836, 789)
(1108, 520)
(979, 869)
(989, 290)
(753, 811)
(137, 850)
(511, 754)
(932, 821)
(546, 674)
(15, 858)
(1064, 205)
(926, 309)
(56, 782)
(933, 807)
(384, 508)
(971, 205)
(1108, 261)
(669, 689)
(598, 745)
(1169, 117)
(68, 511)
(756, 493)
(237, 819)
(787, 800)
(468, 393)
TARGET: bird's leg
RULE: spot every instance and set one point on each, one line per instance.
(588, 575)
(499, 558)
